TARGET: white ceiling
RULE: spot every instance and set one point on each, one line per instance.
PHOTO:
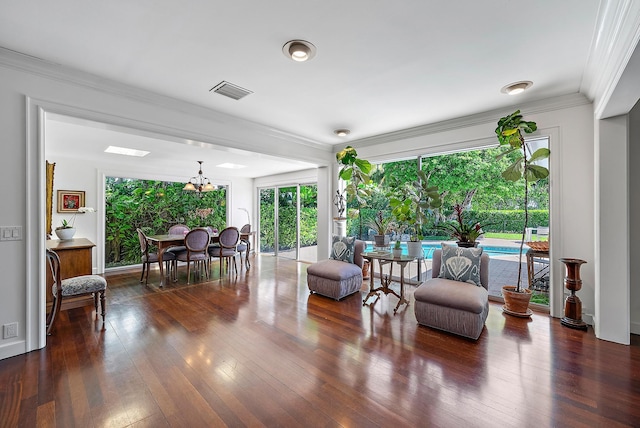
(85, 140)
(380, 67)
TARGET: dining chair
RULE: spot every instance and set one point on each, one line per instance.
(152, 257)
(73, 287)
(244, 246)
(178, 229)
(228, 240)
(196, 245)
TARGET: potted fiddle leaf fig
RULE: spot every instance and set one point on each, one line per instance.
(412, 205)
(355, 172)
(509, 132)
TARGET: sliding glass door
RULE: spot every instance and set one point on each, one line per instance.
(288, 221)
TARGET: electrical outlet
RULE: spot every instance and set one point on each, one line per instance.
(10, 330)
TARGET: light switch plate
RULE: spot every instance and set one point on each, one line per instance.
(11, 233)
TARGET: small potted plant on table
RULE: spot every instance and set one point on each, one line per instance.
(397, 249)
(380, 224)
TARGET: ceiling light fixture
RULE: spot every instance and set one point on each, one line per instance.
(342, 132)
(516, 88)
(299, 50)
(230, 165)
(125, 151)
(199, 183)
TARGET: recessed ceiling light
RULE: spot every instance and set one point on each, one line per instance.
(516, 88)
(299, 50)
(126, 151)
(231, 165)
(342, 132)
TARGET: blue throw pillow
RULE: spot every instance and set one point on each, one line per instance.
(461, 264)
(342, 248)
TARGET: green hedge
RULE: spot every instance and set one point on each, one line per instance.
(287, 218)
(507, 220)
(153, 206)
(492, 220)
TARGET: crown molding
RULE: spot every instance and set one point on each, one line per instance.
(534, 107)
(60, 73)
(615, 39)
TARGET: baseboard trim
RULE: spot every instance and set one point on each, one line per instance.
(12, 349)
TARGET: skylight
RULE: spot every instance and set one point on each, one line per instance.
(231, 165)
(126, 151)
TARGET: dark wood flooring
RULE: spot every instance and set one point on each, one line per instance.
(260, 351)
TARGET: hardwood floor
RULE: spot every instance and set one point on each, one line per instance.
(260, 351)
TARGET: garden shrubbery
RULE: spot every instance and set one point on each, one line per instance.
(153, 206)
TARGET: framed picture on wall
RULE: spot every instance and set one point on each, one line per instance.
(70, 200)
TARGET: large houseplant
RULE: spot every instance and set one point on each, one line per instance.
(412, 206)
(509, 132)
(355, 172)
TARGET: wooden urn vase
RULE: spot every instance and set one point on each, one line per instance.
(572, 304)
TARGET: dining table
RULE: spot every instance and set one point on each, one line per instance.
(164, 242)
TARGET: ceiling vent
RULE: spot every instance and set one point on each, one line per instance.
(230, 90)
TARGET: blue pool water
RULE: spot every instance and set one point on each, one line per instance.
(429, 248)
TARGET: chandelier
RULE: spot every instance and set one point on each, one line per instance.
(199, 183)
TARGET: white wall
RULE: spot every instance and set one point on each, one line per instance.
(634, 217)
(612, 294)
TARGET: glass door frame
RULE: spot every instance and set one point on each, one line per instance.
(276, 218)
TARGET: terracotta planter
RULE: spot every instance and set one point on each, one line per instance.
(516, 303)
(365, 269)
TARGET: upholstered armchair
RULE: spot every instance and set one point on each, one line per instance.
(336, 278)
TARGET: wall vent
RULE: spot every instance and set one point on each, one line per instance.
(230, 90)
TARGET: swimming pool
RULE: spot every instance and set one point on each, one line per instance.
(429, 248)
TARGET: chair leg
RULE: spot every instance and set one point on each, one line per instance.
(188, 270)
(95, 302)
(54, 312)
(51, 314)
(142, 275)
(146, 278)
(102, 305)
